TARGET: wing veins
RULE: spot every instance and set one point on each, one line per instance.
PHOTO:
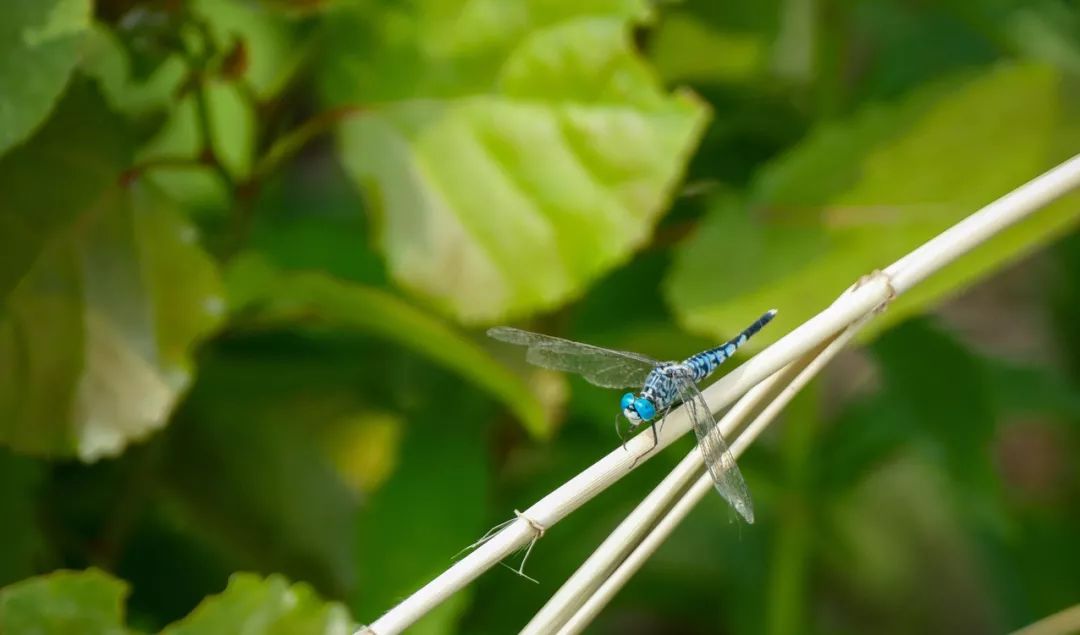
(714, 451)
(600, 366)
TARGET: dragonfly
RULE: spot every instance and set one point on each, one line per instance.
(663, 386)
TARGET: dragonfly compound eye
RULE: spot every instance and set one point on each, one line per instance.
(644, 408)
(627, 400)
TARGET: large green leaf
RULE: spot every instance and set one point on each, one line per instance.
(61, 171)
(39, 45)
(257, 606)
(857, 195)
(269, 296)
(95, 340)
(89, 602)
(512, 153)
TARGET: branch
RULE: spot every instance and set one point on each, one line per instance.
(593, 585)
(854, 306)
(289, 144)
(1064, 621)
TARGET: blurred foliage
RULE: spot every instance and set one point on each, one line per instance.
(92, 602)
(856, 195)
(247, 249)
(43, 36)
(511, 152)
(65, 602)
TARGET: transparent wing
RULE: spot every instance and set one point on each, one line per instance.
(718, 459)
(600, 366)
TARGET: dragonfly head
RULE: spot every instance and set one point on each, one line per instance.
(637, 409)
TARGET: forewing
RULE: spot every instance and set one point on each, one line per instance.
(714, 450)
(600, 366)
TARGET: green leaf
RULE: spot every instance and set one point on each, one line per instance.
(688, 49)
(96, 338)
(39, 46)
(256, 606)
(510, 157)
(144, 99)
(858, 195)
(89, 602)
(84, 145)
(269, 296)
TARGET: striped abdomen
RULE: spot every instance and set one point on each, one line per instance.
(705, 362)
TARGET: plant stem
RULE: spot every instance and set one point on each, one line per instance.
(167, 162)
(788, 382)
(854, 307)
(286, 146)
(1064, 621)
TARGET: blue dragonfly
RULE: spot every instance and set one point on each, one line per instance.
(664, 385)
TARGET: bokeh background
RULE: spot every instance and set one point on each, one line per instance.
(248, 250)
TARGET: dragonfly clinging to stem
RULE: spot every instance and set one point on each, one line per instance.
(664, 385)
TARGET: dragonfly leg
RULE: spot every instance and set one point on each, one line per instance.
(618, 431)
(655, 427)
(656, 442)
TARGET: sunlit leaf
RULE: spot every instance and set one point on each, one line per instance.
(855, 196)
(269, 296)
(265, 606)
(510, 157)
(90, 602)
(97, 336)
(39, 45)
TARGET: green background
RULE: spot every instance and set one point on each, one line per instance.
(248, 250)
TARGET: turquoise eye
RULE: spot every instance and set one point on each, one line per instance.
(627, 400)
(644, 408)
